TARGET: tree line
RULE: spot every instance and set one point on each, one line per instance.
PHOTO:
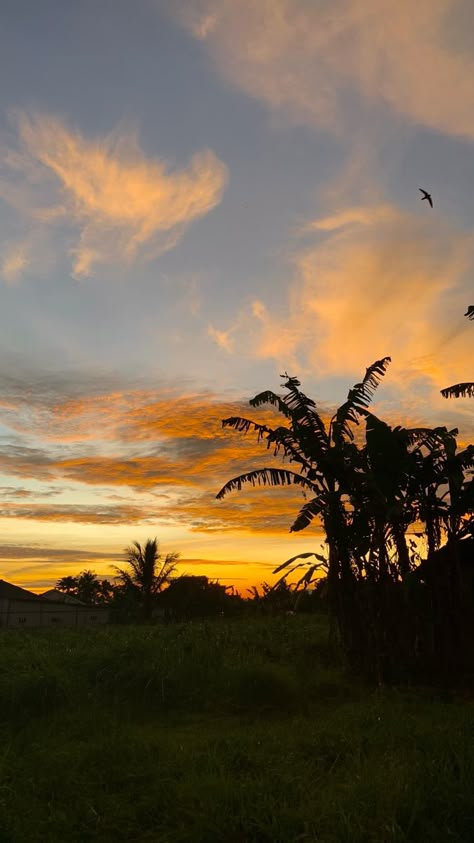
(396, 506)
(147, 589)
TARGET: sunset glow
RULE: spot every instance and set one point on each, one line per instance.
(195, 199)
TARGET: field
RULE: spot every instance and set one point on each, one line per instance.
(222, 732)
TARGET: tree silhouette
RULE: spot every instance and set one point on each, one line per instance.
(191, 596)
(68, 585)
(367, 496)
(148, 573)
(87, 587)
(330, 466)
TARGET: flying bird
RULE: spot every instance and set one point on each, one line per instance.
(470, 311)
(426, 196)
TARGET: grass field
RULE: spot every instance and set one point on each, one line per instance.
(222, 732)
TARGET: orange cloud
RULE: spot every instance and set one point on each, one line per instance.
(222, 338)
(77, 513)
(376, 284)
(252, 510)
(162, 457)
(137, 416)
(169, 450)
(122, 203)
(309, 57)
(139, 473)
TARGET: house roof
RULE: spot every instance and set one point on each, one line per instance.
(14, 592)
(59, 597)
(51, 597)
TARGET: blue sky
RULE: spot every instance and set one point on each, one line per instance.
(195, 197)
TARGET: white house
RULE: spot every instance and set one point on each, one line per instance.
(22, 609)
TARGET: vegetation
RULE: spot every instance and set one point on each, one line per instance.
(147, 574)
(248, 726)
(372, 495)
(226, 730)
(188, 597)
(86, 587)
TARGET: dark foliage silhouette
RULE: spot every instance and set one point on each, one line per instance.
(87, 587)
(375, 498)
(147, 574)
(187, 597)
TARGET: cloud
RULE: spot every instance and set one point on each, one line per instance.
(40, 566)
(253, 510)
(354, 216)
(163, 455)
(78, 513)
(14, 260)
(117, 203)
(21, 492)
(376, 282)
(328, 63)
(222, 338)
(30, 552)
(168, 449)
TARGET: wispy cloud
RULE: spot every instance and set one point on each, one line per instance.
(167, 449)
(34, 552)
(116, 203)
(20, 492)
(328, 63)
(222, 338)
(78, 513)
(14, 260)
(375, 282)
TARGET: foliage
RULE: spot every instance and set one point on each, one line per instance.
(188, 597)
(148, 572)
(87, 587)
(370, 495)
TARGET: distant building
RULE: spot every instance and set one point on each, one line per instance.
(61, 597)
(22, 609)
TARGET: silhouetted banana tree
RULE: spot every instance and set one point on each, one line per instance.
(399, 487)
(329, 465)
(456, 489)
(383, 501)
(441, 483)
(411, 479)
(148, 573)
(466, 389)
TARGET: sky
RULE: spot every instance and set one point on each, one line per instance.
(197, 196)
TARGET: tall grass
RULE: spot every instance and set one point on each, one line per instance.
(223, 731)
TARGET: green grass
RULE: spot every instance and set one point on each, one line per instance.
(222, 732)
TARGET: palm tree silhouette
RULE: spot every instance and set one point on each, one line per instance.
(147, 573)
(68, 585)
(88, 587)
